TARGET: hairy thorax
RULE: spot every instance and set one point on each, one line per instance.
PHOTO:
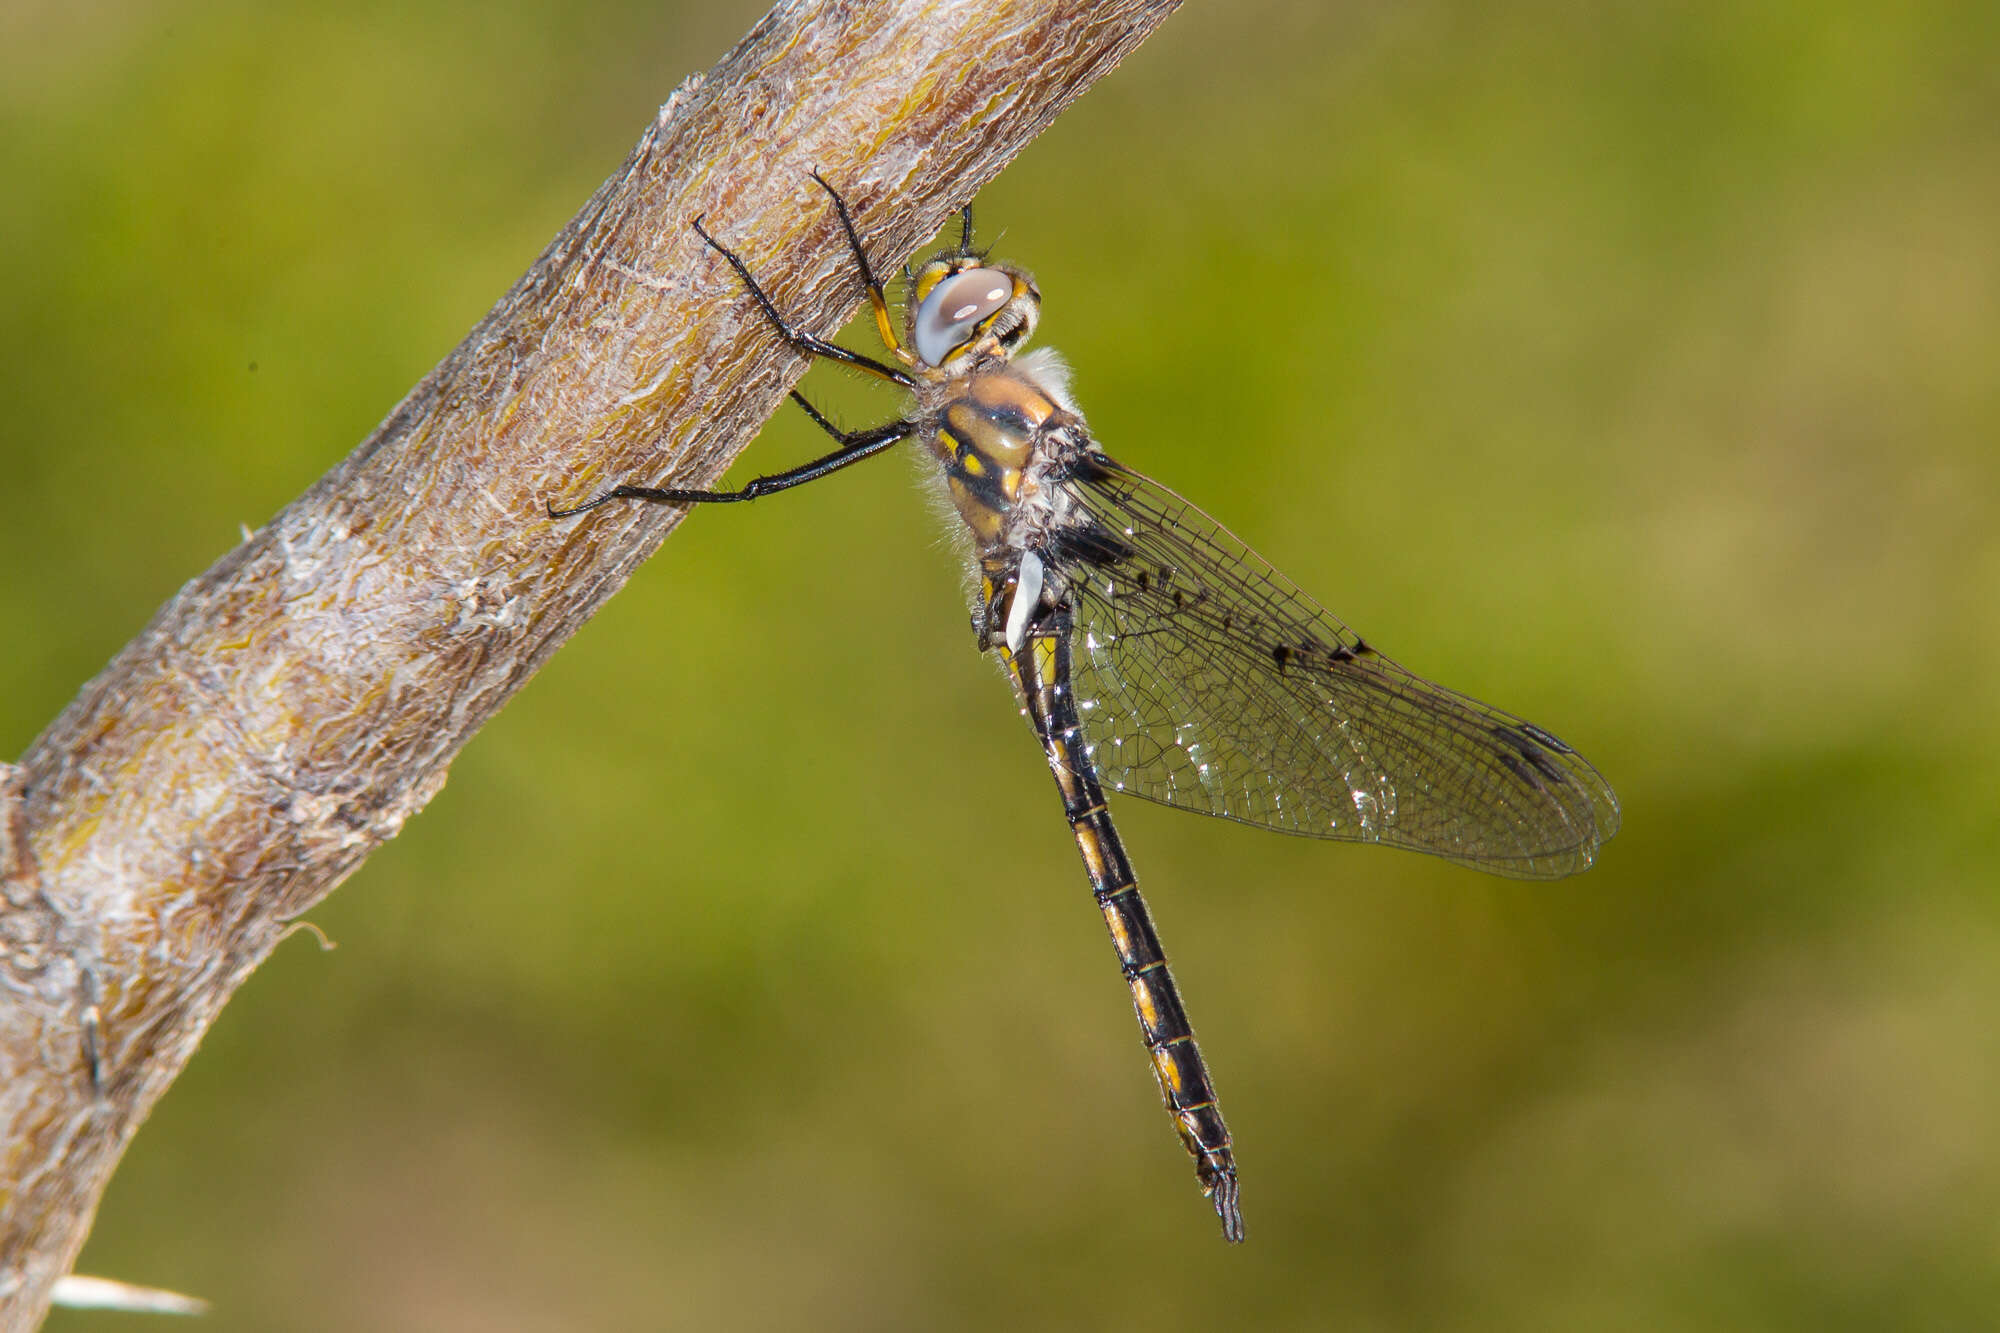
(1002, 433)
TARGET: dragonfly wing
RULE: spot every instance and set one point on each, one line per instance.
(1208, 681)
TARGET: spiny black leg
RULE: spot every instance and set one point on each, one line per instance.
(854, 446)
(965, 233)
(853, 238)
(799, 339)
(879, 303)
(848, 438)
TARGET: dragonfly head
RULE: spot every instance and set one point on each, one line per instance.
(962, 305)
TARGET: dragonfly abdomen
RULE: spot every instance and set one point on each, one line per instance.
(1042, 674)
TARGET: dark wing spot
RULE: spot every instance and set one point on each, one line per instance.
(1526, 739)
(1090, 543)
(1339, 655)
(1544, 738)
(1362, 648)
(1281, 654)
(1087, 468)
(1144, 580)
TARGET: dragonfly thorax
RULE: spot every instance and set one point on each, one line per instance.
(1002, 433)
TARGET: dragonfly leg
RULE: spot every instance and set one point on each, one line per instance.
(798, 338)
(854, 446)
(879, 303)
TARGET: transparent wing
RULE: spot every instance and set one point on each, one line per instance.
(1207, 681)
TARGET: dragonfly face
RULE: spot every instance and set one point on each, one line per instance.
(962, 308)
(1155, 654)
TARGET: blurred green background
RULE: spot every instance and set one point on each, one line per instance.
(1632, 369)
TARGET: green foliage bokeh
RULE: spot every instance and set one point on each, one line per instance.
(1632, 369)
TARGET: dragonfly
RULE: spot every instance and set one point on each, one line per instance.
(1156, 655)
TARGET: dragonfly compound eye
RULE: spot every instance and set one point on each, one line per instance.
(954, 309)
